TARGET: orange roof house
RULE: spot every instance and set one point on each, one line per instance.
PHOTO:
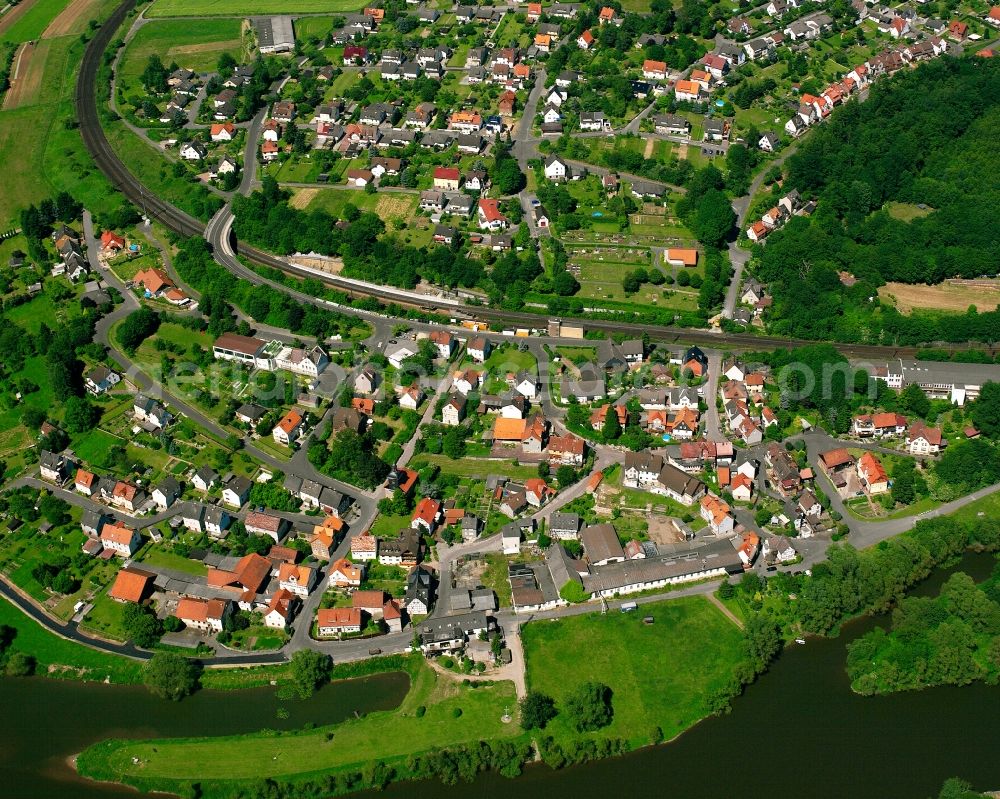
(85, 480)
(131, 585)
(836, 458)
(873, 472)
(508, 429)
(290, 421)
(338, 618)
(427, 512)
(112, 241)
(343, 573)
(682, 255)
(223, 127)
(153, 280)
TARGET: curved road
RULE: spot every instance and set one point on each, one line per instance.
(186, 225)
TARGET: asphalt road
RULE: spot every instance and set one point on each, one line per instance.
(183, 224)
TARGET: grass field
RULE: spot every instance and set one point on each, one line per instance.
(309, 27)
(661, 675)
(391, 735)
(195, 47)
(510, 359)
(58, 657)
(948, 296)
(74, 18)
(478, 468)
(40, 146)
(237, 8)
(158, 556)
(31, 24)
(906, 212)
(388, 205)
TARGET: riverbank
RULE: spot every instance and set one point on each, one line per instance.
(663, 678)
(358, 753)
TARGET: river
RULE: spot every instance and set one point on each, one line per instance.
(799, 731)
(45, 722)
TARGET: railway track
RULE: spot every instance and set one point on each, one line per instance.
(186, 225)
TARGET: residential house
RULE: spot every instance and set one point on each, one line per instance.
(53, 466)
(344, 574)
(127, 496)
(404, 550)
(338, 621)
(367, 381)
(259, 523)
(567, 450)
(453, 411)
(873, 475)
(120, 539)
(716, 512)
(364, 547)
(236, 491)
(671, 125)
(490, 216)
(296, 579)
(510, 538)
(204, 478)
(447, 178)
(100, 380)
(564, 526)
(419, 592)
(205, 615)
(281, 609)
(479, 349)
(85, 482)
(923, 440)
(166, 493)
(289, 428)
(593, 121)
(555, 168)
(426, 515)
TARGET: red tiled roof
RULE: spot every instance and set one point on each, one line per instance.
(338, 617)
(130, 585)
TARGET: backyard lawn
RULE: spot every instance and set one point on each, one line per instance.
(479, 468)
(159, 556)
(510, 359)
(662, 675)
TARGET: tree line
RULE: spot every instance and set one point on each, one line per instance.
(950, 639)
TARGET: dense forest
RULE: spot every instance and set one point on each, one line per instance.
(925, 137)
(951, 639)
